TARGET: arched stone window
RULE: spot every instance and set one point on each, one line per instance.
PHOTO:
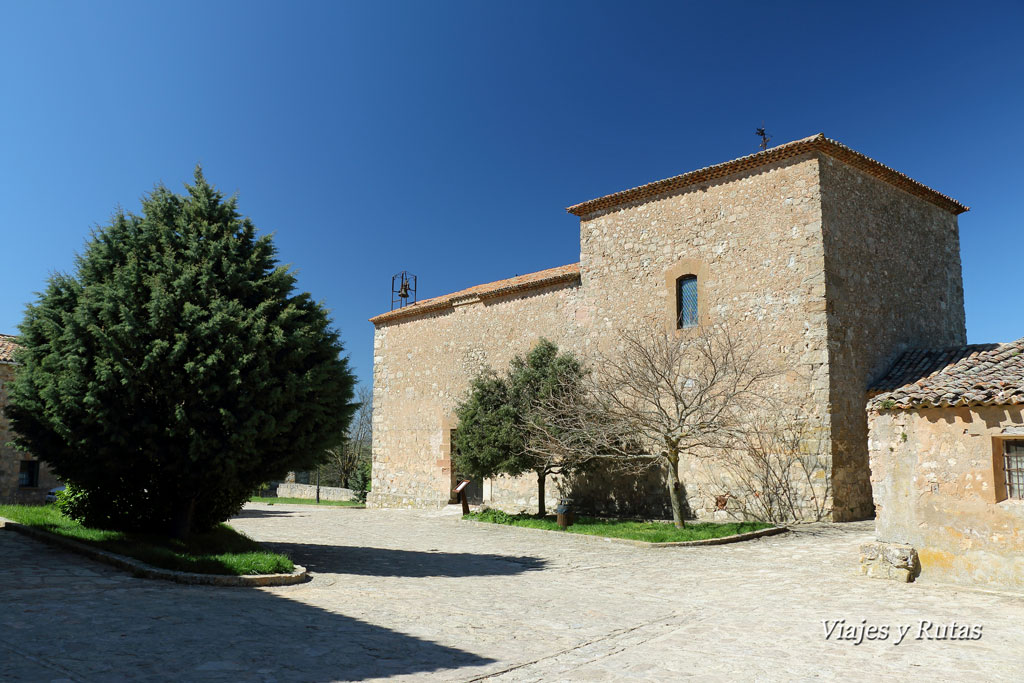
(687, 303)
(686, 297)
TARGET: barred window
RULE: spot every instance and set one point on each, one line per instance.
(28, 474)
(1013, 468)
(686, 301)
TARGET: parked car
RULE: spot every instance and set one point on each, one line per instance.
(51, 495)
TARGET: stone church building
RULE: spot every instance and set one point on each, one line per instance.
(836, 261)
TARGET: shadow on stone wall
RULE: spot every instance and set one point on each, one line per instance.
(604, 492)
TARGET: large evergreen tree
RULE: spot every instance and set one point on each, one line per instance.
(177, 369)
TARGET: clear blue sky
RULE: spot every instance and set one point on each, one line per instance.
(446, 138)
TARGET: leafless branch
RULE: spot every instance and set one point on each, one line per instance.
(780, 473)
(344, 458)
(656, 396)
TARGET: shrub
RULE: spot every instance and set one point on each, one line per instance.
(359, 480)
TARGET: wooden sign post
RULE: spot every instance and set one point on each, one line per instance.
(460, 490)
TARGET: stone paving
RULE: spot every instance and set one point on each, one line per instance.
(422, 596)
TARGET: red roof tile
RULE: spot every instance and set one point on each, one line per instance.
(788, 150)
(979, 374)
(541, 278)
(8, 345)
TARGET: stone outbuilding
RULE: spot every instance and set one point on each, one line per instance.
(835, 261)
(947, 464)
(23, 479)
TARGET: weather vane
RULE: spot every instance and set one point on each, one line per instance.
(764, 137)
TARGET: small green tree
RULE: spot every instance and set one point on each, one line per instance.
(176, 370)
(502, 421)
(489, 440)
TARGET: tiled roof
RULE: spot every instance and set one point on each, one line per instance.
(541, 278)
(817, 142)
(7, 348)
(980, 374)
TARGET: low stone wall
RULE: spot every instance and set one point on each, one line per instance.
(288, 490)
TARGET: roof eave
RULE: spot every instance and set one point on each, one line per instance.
(785, 151)
(875, 405)
(447, 304)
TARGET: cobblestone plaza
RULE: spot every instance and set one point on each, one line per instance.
(415, 595)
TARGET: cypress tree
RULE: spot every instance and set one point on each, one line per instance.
(177, 369)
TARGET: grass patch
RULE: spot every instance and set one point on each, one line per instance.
(306, 501)
(652, 532)
(220, 551)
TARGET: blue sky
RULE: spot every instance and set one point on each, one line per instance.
(446, 138)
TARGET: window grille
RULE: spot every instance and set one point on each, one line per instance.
(686, 301)
(28, 474)
(1013, 466)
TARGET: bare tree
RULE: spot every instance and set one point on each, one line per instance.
(562, 433)
(345, 459)
(657, 397)
(360, 432)
(779, 471)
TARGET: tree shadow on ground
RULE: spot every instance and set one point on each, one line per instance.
(96, 623)
(363, 561)
(829, 529)
(253, 513)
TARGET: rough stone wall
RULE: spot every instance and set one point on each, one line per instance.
(754, 240)
(893, 281)
(936, 478)
(422, 368)
(10, 458)
(605, 492)
(818, 262)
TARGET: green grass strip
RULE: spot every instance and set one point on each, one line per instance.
(307, 501)
(219, 551)
(651, 532)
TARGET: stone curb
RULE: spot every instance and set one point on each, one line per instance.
(721, 540)
(141, 569)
